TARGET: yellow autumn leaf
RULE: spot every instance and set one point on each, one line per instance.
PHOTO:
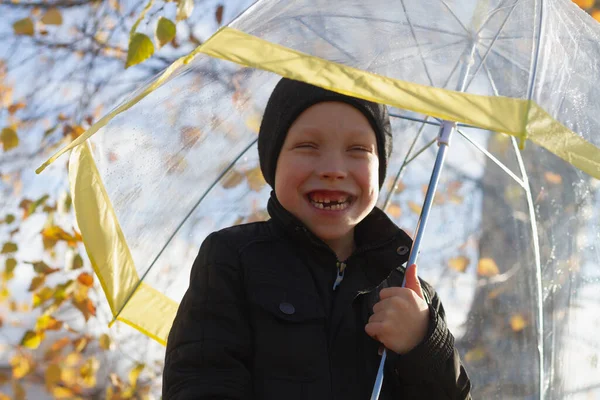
(37, 282)
(165, 31)
(9, 247)
(232, 179)
(88, 372)
(134, 374)
(86, 279)
(47, 322)
(87, 308)
(518, 322)
(41, 296)
(13, 108)
(553, 178)
(18, 391)
(585, 4)
(32, 339)
(104, 341)
(21, 366)
(476, 354)
(9, 268)
(596, 15)
(184, 9)
(72, 359)
(140, 49)
(253, 123)
(394, 210)
(52, 17)
(414, 207)
(459, 263)
(53, 375)
(80, 344)
(255, 179)
(487, 267)
(24, 27)
(61, 392)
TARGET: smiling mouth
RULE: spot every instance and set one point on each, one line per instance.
(332, 201)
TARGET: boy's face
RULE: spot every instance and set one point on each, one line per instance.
(327, 173)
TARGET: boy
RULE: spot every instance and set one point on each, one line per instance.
(290, 308)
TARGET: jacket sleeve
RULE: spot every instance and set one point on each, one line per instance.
(432, 370)
(209, 345)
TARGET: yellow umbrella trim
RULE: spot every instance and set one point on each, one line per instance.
(147, 309)
(150, 311)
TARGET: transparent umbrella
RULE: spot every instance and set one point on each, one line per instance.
(512, 237)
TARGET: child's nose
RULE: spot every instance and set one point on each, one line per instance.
(332, 167)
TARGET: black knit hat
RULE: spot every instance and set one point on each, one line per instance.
(289, 99)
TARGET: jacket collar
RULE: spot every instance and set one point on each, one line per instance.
(374, 232)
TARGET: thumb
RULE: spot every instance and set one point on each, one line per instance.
(412, 281)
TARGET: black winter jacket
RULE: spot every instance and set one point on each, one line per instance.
(261, 320)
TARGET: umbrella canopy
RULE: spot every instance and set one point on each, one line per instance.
(511, 246)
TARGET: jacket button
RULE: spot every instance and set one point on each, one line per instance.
(402, 250)
(287, 308)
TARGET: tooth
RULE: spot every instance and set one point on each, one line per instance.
(327, 201)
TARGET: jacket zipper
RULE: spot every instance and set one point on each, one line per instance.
(341, 268)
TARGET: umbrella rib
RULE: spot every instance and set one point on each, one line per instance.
(189, 214)
(326, 39)
(401, 170)
(534, 59)
(427, 28)
(412, 31)
(404, 164)
(491, 157)
(536, 249)
(406, 117)
(489, 49)
(455, 16)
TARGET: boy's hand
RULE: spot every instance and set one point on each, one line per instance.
(401, 317)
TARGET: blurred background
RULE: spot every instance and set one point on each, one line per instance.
(66, 63)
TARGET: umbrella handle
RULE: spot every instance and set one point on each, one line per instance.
(446, 131)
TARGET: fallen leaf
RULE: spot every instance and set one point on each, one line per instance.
(487, 267)
(88, 372)
(190, 135)
(459, 263)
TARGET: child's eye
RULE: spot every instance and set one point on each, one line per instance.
(306, 146)
(360, 148)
